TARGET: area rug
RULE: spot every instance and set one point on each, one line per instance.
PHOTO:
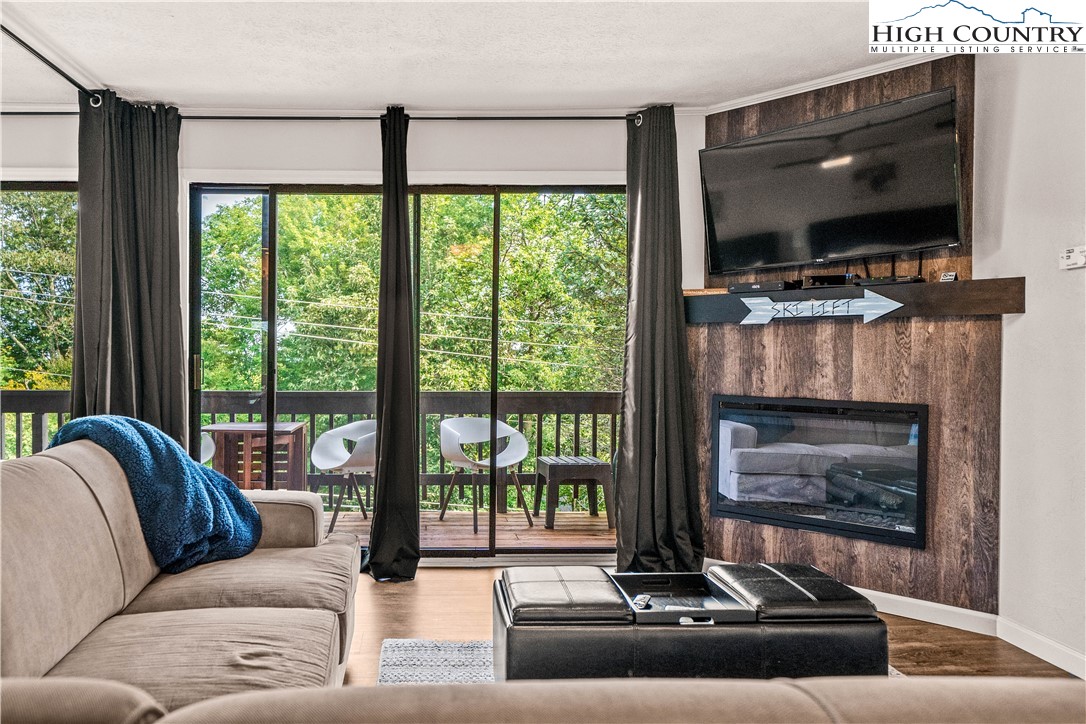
(423, 661)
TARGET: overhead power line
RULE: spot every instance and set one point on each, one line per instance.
(439, 352)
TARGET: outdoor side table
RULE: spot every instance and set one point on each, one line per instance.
(239, 452)
(554, 470)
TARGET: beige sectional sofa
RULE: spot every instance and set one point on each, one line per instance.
(82, 596)
(622, 701)
(93, 633)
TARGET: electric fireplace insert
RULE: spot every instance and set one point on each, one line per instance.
(856, 469)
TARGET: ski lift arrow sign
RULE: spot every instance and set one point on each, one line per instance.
(764, 310)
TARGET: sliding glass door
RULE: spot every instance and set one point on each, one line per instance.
(522, 298)
(304, 264)
(561, 328)
(328, 264)
(230, 258)
(456, 241)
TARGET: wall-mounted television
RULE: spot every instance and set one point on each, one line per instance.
(881, 180)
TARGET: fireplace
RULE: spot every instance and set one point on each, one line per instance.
(856, 469)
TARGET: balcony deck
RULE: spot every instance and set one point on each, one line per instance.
(572, 530)
(554, 423)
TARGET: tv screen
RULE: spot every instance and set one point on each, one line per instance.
(882, 180)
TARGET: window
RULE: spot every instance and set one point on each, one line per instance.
(522, 296)
(38, 227)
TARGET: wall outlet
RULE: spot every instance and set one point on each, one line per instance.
(1073, 258)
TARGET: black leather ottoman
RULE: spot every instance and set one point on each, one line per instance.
(568, 622)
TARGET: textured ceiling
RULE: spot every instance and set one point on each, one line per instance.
(430, 56)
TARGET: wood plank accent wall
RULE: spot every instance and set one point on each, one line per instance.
(951, 364)
(952, 72)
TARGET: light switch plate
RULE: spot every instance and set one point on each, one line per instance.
(1073, 258)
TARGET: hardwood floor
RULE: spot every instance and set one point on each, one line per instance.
(454, 604)
(572, 529)
(918, 648)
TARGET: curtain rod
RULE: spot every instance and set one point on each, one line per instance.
(197, 117)
(52, 66)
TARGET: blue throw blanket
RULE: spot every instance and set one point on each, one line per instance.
(189, 513)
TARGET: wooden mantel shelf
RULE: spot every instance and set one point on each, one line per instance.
(977, 297)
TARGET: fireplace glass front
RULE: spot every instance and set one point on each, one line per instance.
(855, 469)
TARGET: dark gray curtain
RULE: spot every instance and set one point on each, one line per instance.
(128, 357)
(394, 534)
(656, 489)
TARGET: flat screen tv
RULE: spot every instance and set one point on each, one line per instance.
(878, 181)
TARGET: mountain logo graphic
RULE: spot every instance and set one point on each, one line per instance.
(1028, 16)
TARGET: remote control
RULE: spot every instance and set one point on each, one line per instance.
(641, 601)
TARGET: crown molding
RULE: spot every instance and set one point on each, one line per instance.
(40, 41)
(904, 61)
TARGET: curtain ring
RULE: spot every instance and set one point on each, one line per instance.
(95, 97)
(637, 120)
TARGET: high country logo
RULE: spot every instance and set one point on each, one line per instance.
(976, 26)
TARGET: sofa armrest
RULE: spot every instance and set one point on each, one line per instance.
(289, 518)
(62, 700)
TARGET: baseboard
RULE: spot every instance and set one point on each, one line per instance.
(1042, 647)
(939, 613)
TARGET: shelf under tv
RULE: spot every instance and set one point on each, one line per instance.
(977, 297)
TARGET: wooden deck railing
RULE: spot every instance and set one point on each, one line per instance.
(555, 423)
(30, 418)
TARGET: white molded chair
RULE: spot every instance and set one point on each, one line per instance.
(459, 431)
(330, 455)
(207, 447)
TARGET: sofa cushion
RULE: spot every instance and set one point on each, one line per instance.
(948, 699)
(322, 577)
(60, 574)
(87, 701)
(784, 457)
(617, 701)
(104, 476)
(181, 657)
(859, 454)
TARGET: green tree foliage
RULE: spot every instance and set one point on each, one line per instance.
(231, 338)
(562, 286)
(328, 280)
(37, 268)
(562, 292)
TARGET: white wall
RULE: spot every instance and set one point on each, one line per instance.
(466, 152)
(39, 148)
(1030, 202)
(690, 138)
